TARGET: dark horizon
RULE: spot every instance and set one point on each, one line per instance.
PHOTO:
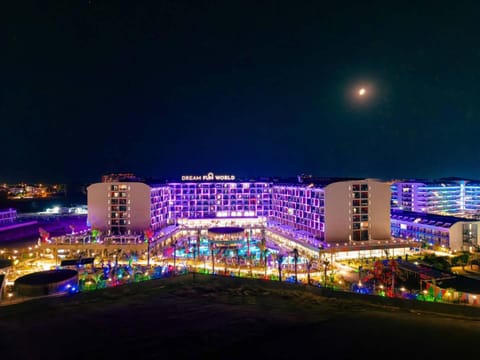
(169, 88)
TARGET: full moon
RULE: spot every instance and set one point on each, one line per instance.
(361, 92)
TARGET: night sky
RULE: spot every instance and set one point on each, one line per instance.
(251, 88)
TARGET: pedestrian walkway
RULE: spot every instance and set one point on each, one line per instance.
(467, 271)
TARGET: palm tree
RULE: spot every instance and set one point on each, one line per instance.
(262, 246)
(212, 248)
(198, 243)
(148, 234)
(263, 252)
(295, 261)
(325, 264)
(280, 258)
(194, 249)
(194, 267)
(265, 262)
(237, 254)
(463, 259)
(309, 263)
(224, 253)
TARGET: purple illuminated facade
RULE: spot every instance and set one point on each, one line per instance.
(449, 232)
(127, 207)
(458, 198)
(299, 207)
(159, 200)
(199, 200)
(333, 210)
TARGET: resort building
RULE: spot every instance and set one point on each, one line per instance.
(7, 216)
(212, 199)
(124, 208)
(335, 210)
(460, 198)
(449, 232)
(330, 210)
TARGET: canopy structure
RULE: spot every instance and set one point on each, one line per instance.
(226, 236)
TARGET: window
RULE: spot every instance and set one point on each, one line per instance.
(364, 235)
(356, 236)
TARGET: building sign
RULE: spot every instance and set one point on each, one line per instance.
(209, 177)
